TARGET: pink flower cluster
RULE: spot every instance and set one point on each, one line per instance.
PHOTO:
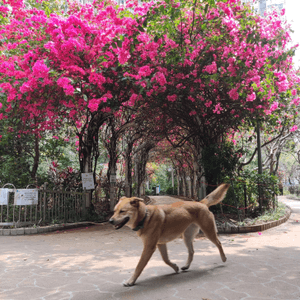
(160, 78)
(251, 97)
(211, 69)
(94, 104)
(217, 110)
(95, 59)
(65, 83)
(145, 71)
(172, 98)
(294, 128)
(234, 95)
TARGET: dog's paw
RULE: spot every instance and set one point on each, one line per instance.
(128, 283)
(184, 268)
(176, 269)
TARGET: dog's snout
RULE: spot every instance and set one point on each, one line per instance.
(111, 221)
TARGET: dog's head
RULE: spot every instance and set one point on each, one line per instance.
(125, 212)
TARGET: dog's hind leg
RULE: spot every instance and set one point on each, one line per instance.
(209, 229)
(188, 238)
(164, 254)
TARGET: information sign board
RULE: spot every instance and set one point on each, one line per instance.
(26, 197)
(113, 178)
(87, 181)
(4, 196)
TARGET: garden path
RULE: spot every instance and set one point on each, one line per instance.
(91, 263)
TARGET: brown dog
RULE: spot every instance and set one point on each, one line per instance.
(158, 225)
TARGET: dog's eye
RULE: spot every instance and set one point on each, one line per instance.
(122, 211)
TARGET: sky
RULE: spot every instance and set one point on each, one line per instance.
(293, 17)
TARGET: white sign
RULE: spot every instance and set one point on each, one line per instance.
(87, 181)
(26, 197)
(113, 178)
(4, 196)
(157, 190)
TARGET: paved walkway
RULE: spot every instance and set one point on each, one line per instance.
(91, 263)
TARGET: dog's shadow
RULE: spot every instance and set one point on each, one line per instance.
(178, 278)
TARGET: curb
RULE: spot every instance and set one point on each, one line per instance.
(44, 229)
(254, 228)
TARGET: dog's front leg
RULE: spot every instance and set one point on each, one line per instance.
(164, 254)
(145, 257)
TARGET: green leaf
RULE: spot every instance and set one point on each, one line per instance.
(140, 28)
(119, 43)
(206, 8)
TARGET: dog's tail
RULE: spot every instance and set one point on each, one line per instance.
(216, 196)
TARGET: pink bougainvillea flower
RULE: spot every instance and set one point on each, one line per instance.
(274, 106)
(145, 71)
(65, 83)
(294, 128)
(161, 79)
(40, 70)
(132, 99)
(234, 95)
(251, 97)
(54, 164)
(218, 109)
(296, 101)
(172, 98)
(94, 104)
(211, 69)
(208, 103)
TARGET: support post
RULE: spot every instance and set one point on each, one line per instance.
(112, 190)
(259, 164)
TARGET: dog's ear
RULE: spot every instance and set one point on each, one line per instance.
(119, 202)
(135, 202)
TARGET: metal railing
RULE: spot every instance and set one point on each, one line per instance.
(50, 207)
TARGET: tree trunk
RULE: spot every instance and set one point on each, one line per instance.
(88, 143)
(184, 185)
(36, 158)
(202, 187)
(190, 185)
(259, 164)
(141, 160)
(178, 181)
(128, 170)
(195, 183)
(89, 147)
(112, 171)
(277, 162)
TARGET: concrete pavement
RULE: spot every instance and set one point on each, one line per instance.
(91, 263)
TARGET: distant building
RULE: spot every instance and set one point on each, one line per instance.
(260, 6)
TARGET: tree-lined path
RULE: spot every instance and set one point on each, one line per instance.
(188, 82)
(185, 84)
(91, 263)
